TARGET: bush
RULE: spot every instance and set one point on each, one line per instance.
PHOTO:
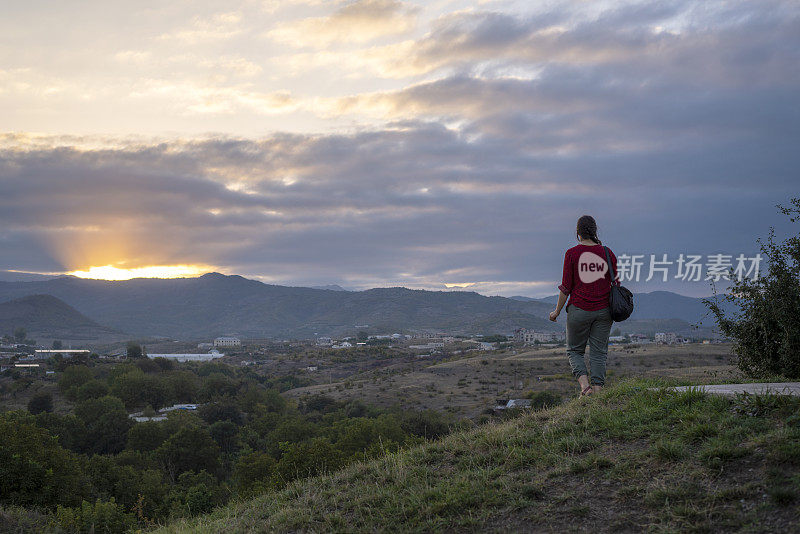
(543, 399)
(34, 469)
(107, 424)
(766, 327)
(73, 377)
(95, 518)
(93, 389)
(40, 402)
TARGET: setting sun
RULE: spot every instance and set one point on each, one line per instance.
(109, 272)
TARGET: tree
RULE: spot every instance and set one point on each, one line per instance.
(146, 436)
(220, 411)
(69, 430)
(93, 389)
(72, 378)
(134, 351)
(182, 385)
(57, 345)
(765, 323)
(20, 334)
(253, 473)
(307, 459)
(226, 435)
(34, 469)
(137, 389)
(107, 424)
(40, 402)
(190, 449)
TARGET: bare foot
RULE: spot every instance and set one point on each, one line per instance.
(596, 389)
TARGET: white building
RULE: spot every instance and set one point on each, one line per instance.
(185, 357)
(67, 353)
(527, 335)
(227, 342)
(670, 338)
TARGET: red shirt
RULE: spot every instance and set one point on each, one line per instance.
(586, 278)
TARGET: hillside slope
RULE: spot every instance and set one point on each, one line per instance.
(49, 317)
(628, 460)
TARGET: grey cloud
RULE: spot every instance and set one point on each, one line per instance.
(675, 142)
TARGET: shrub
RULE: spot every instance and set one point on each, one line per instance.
(766, 327)
(544, 399)
(93, 389)
(40, 402)
(95, 518)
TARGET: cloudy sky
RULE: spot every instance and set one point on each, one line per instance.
(379, 143)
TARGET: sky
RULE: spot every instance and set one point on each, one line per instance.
(375, 143)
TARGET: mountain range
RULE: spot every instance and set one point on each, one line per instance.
(216, 304)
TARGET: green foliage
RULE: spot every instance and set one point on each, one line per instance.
(99, 517)
(426, 424)
(307, 458)
(34, 469)
(766, 327)
(190, 449)
(93, 389)
(137, 389)
(134, 351)
(40, 402)
(147, 436)
(69, 430)
(72, 378)
(217, 385)
(544, 399)
(182, 385)
(106, 422)
(254, 473)
(226, 435)
(20, 335)
(220, 411)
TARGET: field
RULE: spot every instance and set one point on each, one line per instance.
(466, 385)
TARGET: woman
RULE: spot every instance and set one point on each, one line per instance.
(587, 283)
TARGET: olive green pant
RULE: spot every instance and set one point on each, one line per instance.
(594, 327)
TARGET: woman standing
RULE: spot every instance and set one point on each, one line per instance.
(587, 283)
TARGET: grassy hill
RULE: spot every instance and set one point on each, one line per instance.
(628, 460)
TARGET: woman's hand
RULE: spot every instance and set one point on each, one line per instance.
(554, 315)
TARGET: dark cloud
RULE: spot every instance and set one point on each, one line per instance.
(678, 141)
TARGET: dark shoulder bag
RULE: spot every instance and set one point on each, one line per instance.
(620, 300)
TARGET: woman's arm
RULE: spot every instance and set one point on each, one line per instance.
(562, 299)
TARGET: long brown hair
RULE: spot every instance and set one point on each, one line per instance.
(587, 228)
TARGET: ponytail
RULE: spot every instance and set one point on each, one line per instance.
(587, 228)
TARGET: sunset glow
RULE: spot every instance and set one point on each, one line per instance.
(109, 272)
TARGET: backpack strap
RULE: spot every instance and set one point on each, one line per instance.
(611, 270)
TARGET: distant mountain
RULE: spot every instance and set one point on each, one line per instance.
(330, 287)
(655, 305)
(45, 316)
(215, 304)
(14, 276)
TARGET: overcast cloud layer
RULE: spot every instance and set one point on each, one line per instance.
(376, 143)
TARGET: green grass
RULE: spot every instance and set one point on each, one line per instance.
(629, 459)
